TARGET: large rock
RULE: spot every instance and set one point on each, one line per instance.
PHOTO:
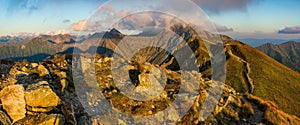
(41, 95)
(15, 71)
(42, 70)
(144, 81)
(6, 82)
(13, 102)
(42, 119)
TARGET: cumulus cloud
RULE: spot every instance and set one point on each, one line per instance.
(221, 28)
(98, 23)
(217, 6)
(290, 30)
(131, 32)
(136, 22)
(62, 31)
(107, 15)
(89, 26)
(79, 25)
(147, 19)
(133, 22)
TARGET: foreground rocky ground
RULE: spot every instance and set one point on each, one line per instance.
(44, 94)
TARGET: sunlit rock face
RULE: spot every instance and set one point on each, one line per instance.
(13, 102)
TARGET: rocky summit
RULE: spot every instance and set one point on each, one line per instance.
(37, 94)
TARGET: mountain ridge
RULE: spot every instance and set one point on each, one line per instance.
(287, 53)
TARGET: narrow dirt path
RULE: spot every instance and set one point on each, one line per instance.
(248, 70)
(258, 116)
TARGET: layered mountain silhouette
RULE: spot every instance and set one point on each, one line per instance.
(259, 42)
(286, 53)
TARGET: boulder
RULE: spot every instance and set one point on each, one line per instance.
(7, 82)
(33, 65)
(144, 81)
(42, 70)
(13, 102)
(41, 95)
(42, 119)
(14, 72)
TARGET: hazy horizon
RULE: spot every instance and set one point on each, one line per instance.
(264, 19)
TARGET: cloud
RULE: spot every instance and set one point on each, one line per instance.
(27, 6)
(30, 6)
(221, 28)
(147, 19)
(98, 23)
(26, 34)
(62, 31)
(88, 26)
(130, 32)
(290, 30)
(66, 21)
(218, 6)
(79, 25)
(35, 34)
(134, 21)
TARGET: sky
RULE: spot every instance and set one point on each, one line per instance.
(236, 18)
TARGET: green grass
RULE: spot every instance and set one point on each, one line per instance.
(271, 113)
(272, 80)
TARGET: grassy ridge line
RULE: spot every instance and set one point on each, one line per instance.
(272, 80)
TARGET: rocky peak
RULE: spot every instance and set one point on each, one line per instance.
(60, 38)
(113, 34)
(184, 31)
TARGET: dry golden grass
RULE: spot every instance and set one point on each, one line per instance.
(271, 112)
(272, 80)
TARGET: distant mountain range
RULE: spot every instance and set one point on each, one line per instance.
(258, 42)
(39, 48)
(286, 53)
(29, 49)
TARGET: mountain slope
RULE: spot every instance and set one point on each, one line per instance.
(286, 53)
(249, 71)
(270, 80)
